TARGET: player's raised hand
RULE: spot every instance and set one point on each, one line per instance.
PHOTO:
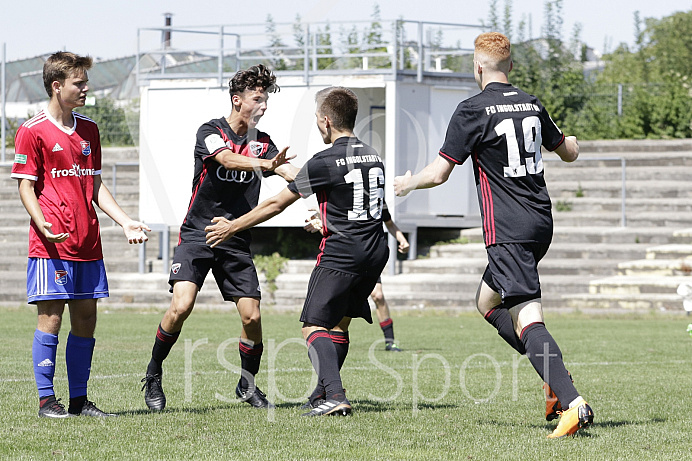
(403, 244)
(280, 159)
(402, 184)
(135, 232)
(220, 231)
(54, 238)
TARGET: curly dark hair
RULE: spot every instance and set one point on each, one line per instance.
(258, 76)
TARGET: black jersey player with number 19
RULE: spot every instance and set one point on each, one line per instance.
(502, 129)
(348, 179)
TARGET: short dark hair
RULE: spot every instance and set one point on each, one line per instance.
(258, 76)
(62, 65)
(340, 105)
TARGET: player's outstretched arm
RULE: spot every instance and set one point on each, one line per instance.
(568, 150)
(436, 173)
(223, 229)
(400, 237)
(232, 161)
(287, 171)
(135, 231)
(30, 202)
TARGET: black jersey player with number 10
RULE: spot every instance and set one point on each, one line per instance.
(502, 129)
(348, 179)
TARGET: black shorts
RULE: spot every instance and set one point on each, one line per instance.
(333, 295)
(235, 273)
(512, 271)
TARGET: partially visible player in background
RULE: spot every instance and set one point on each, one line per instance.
(314, 224)
(58, 167)
(502, 129)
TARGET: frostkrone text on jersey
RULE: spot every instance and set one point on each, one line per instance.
(74, 171)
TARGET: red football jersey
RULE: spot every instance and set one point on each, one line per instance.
(63, 164)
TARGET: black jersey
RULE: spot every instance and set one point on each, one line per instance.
(502, 128)
(348, 179)
(217, 191)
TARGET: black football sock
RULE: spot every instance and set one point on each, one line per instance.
(162, 346)
(341, 343)
(250, 358)
(545, 356)
(76, 404)
(325, 361)
(388, 331)
(501, 319)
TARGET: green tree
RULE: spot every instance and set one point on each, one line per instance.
(298, 32)
(654, 78)
(113, 122)
(324, 47)
(276, 45)
(373, 42)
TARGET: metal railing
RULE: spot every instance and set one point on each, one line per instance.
(388, 50)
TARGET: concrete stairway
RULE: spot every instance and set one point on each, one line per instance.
(594, 263)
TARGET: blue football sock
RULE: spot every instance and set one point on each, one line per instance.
(43, 351)
(78, 354)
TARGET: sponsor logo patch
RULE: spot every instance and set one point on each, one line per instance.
(61, 277)
(175, 268)
(20, 158)
(57, 147)
(86, 148)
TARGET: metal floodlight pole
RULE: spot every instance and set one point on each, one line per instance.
(419, 78)
(306, 55)
(220, 63)
(4, 102)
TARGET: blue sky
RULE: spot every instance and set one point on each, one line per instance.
(108, 29)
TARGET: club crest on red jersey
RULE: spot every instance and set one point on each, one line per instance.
(255, 148)
(86, 148)
(61, 277)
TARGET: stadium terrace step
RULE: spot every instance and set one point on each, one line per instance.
(659, 205)
(656, 267)
(580, 171)
(634, 219)
(629, 302)
(613, 189)
(671, 251)
(627, 284)
(597, 234)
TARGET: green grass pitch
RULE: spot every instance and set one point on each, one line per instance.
(456, 392)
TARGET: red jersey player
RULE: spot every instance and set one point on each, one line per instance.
(58, 167)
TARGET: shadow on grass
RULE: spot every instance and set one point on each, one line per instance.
(203, 410)
(372, 406)
(549, 427)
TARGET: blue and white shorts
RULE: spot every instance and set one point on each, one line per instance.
(48, 279)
